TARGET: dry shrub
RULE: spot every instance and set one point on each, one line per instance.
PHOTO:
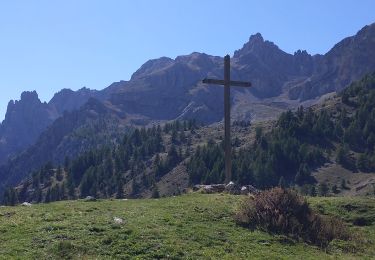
(286, 212)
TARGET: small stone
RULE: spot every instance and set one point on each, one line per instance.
(90, 198)
(118, 221)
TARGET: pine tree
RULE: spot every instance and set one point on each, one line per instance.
(323, 189)
(47, 198)
(155, 192)
(10, 197)
(120, 190)
(334, 189)
(59, 174)
(312, 191)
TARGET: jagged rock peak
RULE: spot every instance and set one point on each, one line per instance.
(29, 105)
(30, 96)
(27, 98)
(256, 39)
(151, 66)
(366, 29)
(68, 92)
(64, 91)
(255, 45)
(301, 53)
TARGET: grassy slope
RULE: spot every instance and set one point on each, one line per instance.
(190, 226)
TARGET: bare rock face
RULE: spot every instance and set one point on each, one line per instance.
(24, 121)
(347, 61)
(68, 100)
(27, 118)
(263, 63)
(169, 90)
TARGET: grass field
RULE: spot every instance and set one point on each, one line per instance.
(192, 226)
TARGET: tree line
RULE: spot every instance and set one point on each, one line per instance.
(142, 158)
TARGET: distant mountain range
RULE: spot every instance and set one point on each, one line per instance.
(167, 89)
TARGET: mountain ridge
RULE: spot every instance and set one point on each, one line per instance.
(166, 89)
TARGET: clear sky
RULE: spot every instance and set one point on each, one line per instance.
(50, 45)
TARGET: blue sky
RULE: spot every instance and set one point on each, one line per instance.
(50, 45)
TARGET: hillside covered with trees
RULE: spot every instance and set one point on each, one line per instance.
(134, 165)
(341, 130)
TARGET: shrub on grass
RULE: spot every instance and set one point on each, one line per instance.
(286, 212)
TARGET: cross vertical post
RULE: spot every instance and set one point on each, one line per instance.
(227, 140)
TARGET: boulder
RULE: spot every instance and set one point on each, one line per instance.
(118, 221)
(26, 204)
(213, 188)
(248, 189)
(244, 190)
(90, 198)
(232, 188)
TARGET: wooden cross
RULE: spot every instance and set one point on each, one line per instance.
(227, 83)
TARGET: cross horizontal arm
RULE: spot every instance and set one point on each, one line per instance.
(213, 81)
(240, 83)
(222, 82)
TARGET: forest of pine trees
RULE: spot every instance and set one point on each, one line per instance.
(141, 159)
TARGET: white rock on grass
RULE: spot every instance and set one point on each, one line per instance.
(90, 198)
(118, 221)
(26, 204)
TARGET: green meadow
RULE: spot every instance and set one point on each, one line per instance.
(191, 226)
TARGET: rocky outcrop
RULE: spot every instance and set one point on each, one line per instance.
(67, 100)
(347, 61)
(231, 188)
(27, 118)
(24, 121)
(92, 126)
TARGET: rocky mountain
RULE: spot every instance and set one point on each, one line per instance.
(166, 89)
(347, 61)
(24, 121)
(268, 67)
(299, 148)
(91, 126)
(27, 118)
(69, 100)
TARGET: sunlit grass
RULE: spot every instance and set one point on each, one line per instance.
(192, 226)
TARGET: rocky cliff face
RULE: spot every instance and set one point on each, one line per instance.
(345, 62)
(170, 88)
(164, 92)
(263, 63)
(91, 126)
(24, 121)
(68, 100)
(165, 89)
(27, 118)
